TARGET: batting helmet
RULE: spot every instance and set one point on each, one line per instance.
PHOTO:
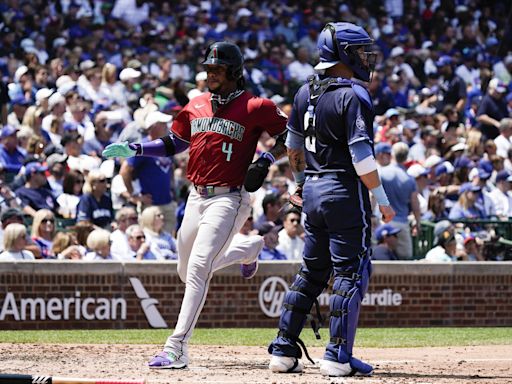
(228, 54)
(339, 42)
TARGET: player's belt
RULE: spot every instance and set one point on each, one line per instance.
(212, 190)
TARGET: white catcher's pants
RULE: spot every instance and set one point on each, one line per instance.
(204, 246)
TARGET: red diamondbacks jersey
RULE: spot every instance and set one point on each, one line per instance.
(222, 144)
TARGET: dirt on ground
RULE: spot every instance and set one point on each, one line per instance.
(222, 364)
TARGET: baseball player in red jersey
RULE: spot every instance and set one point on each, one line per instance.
(221, 129)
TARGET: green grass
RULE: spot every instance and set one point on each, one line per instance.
(367, 337)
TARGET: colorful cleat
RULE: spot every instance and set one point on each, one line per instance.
(249, 270)
(166, 360)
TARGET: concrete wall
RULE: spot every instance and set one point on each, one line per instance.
(80, 295)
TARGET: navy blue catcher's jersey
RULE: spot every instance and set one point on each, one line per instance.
(341, 118)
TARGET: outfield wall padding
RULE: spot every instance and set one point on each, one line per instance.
(94, 295)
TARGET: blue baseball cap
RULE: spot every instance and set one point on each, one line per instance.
(483, 174)
(34, 167)
(384, 231)
(503, 176)
(444, 60)
(8, 130)
(444, 167)
(469, 187)
(392, 112)
(20, 100)
(463, 162)
(383, 148)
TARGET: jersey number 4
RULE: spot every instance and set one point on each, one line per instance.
(227, 148)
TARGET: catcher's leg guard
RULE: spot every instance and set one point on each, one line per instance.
(349, 290)
(297, 305)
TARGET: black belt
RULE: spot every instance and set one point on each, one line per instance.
(212, 190)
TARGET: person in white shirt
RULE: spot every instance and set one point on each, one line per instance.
(200, 86)
(15, 240)
(445, 250)
(290, 242)
(500, 195)
(503, 143)
(120, 248)
(98, 242)
(300, 69)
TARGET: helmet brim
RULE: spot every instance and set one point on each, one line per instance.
(325, 64)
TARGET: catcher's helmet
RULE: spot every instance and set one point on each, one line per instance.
(338, 42)
(228, 54)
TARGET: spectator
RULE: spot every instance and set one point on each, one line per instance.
(65, 247)
(72, 143)
(19, 107)
(98, 242)
(445, 250)
(43, 232)
(290, 242)
(271, 211)
(56, 164)
(34, 195)
(270, 232)
(8, 198)
(301, 69)
(473, 248)
(500, 195)
(420, 175)
(492, 109)
(387, 242)
(120, 247)
(11, 156)
(453, 88)
(155, 174)
(139, 249)
(466, 208)
(200, 86)
(14, 215)
(72, 187)
(95, 206)
(503, 143)
(15, 240)
(403, 197)
(4, 100)
(163, 245)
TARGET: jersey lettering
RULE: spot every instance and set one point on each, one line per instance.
(310, 141)
(218, 125)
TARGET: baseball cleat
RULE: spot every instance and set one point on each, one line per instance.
(166, 360)
(285, 364)
(354, 368)
(249, 270)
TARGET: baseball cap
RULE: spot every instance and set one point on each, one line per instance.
(59, 42)
(432, 161)
(43, 93)
(384, 231)
(466, 187)
(8, 130)
(446, 237)
(172, 106)
(20, 72)
(11, 212)
(267, 227)
(483, 174)
(463, 162)
(20, 100)
(468, 238)
(441, 226)
(34, 167)
(55, 158)
(458, 147)
(417, 170)
(55, 99)
(156, 117)
(201, 76)
(444, 167)
(392, 112)
(498, 85)
(383, 148)
(396, 51)
(410, 124)
(503, 176)
(444, 60)
(129, 73)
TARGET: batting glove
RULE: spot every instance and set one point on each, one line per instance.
(119, 150)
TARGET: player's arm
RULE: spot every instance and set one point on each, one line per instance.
(366, 168)
(163, 147)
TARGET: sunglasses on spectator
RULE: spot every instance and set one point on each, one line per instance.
(295, 220)
(79, 181)
(142, 237)
(48, 221)
(131, 218)
(160, 215)
(101, 180)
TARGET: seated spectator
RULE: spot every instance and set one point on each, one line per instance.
(387, 240)
(15, 240)
(66, 247)
(33, 195)
(56, 164)
(98, 243)
(120, 247)
(465, 207)
(270, 231)
(8, 198)
(162, 244)
(500, 195)
(95, 204)
(271, 211)
(139, 249)
(43, 231)
(11, 156)
(445, 250)
(290, 242)
(436, 208)
(72, 187)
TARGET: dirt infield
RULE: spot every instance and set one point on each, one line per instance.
(220, 364)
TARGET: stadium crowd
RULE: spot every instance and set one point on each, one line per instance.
(77, 75)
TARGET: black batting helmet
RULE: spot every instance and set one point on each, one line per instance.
(228, 54)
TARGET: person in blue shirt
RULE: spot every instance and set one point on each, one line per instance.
(270, 233)
(330, 147)
(95, 205)
(34, 195)
(11, 156)
(465, 207)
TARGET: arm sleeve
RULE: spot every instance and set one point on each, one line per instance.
(294, 140)
(356, 122)
(271, 118)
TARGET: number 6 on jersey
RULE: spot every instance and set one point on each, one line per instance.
(228, 150)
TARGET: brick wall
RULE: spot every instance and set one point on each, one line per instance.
(405, 294)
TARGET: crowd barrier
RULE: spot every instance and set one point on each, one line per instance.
(113, 295)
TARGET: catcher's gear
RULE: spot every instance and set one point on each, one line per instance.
(119, 150)
(227, 54)
(256, 174)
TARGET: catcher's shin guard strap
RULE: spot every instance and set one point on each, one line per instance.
(298, 341)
